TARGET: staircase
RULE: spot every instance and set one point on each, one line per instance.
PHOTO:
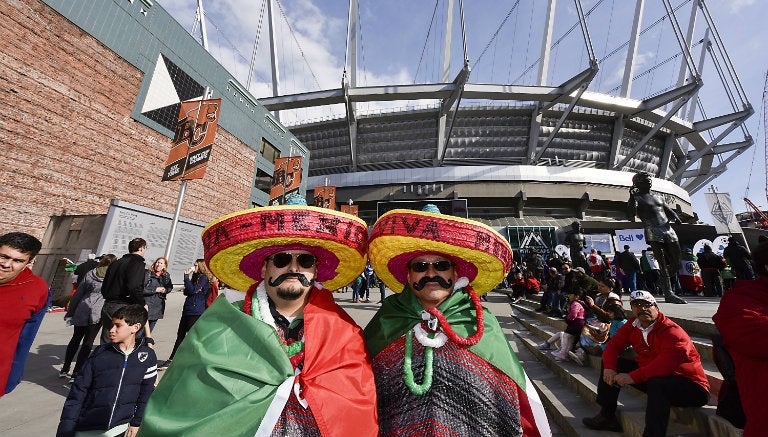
(568, 390)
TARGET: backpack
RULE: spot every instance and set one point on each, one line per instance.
(212, 294)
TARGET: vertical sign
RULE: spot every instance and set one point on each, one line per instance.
(325, 197)
(286, 179)
(193, 140)
(349, 209)
(720, 207)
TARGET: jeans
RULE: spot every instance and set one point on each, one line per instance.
(628, 282)
(152, 323)
(663, 393)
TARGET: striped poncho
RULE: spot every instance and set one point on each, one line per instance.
(481, 390)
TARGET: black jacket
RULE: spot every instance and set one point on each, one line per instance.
(124, 280)
(110, 390)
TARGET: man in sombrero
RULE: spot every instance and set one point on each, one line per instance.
(286, 361)
(442, 364)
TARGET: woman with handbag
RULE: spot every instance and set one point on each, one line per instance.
(197, 285)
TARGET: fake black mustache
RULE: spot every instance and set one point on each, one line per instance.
(418, 286)
(303, 279)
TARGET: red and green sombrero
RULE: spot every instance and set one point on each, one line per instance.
(480, 253)
(237, 244)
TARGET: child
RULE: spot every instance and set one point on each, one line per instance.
(617, 319)
(110, 392)
(574, 324)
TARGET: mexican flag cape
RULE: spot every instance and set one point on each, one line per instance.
(232, 371)
(401, 312)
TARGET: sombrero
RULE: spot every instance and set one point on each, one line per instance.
(237, 244)
(479, 253)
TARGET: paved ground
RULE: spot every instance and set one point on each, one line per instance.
(34, 407)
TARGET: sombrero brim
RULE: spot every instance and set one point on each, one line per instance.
(237, 244)
(480, 253)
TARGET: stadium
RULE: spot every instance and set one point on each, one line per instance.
(539, 154)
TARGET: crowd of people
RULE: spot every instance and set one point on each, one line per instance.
(432, 358)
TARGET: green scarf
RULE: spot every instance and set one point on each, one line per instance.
(401, 312)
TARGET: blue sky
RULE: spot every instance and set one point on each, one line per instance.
(395, 48)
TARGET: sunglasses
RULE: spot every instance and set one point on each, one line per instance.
(422, 266)
(641, 304)
(282, 259)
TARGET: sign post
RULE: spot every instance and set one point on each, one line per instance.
(191, 149)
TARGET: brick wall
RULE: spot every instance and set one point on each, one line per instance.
(67, 142)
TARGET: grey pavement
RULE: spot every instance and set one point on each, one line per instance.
(34, 407)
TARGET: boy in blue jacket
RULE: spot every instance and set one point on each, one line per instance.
(110, 392)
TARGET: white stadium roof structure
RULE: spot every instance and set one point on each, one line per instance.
(537, 147)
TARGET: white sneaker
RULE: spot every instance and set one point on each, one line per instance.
(544, 346)
(579, 356)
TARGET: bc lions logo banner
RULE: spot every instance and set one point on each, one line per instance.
(286, 179)
(193, 140)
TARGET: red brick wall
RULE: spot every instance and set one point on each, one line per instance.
(68, 144)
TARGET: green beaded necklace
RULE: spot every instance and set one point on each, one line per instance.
(417, 389)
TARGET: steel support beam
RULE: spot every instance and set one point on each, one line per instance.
(617, 138)
(699, 153)
(651, 133)
(559, 124)
(666, 157)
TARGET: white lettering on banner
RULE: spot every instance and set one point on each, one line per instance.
(199, 157)
(634, 238)
(174, 170)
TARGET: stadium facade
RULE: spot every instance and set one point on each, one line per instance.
(95, 89)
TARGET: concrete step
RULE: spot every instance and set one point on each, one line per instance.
(582, 381)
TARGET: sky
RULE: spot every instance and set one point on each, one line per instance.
(400, 42)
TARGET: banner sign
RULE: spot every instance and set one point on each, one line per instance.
(524, 239)
(349, 209)
(722, 212)
(325, 197)
(286, 180)
(634, 238)
(193, 140)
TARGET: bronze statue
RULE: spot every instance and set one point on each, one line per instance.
(657, 217)
(576, 242)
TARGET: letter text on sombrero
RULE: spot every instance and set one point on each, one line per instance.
(273, 223)
(483, 242)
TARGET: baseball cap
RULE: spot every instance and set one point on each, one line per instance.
(580, 269)
(642, 295)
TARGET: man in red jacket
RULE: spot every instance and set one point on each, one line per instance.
(742, 320)
(23, 299)
(667, 367)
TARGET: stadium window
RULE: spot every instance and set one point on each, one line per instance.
(262, 181)
(268, 151)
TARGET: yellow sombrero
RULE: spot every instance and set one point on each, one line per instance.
(401, 234)
(237, 244)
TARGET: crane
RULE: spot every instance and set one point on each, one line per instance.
(762, 220)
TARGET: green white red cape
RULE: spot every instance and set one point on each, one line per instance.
(227, 373)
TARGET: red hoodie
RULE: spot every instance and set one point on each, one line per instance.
(20, 299)
(669, 351)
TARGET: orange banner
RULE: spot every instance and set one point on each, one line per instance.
(325, 197)
(349, 209)
(286, 180)
(193, 140)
